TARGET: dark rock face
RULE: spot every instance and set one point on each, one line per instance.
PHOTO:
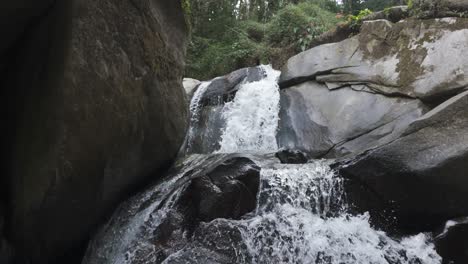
(5, 249)
(228, 191)
(452, 242)
(422, 175)
(289, 156)
(98, 106)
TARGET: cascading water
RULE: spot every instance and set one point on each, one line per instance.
(301, 214)
(302, 218)
(252, 118)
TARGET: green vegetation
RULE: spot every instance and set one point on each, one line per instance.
(356, 21)
(231, 34)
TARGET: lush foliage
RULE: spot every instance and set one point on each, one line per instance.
(230, 34)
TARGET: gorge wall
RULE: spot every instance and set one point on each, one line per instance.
(94, 108)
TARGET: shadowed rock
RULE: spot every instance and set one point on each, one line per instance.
(421, 177)
(95, 108)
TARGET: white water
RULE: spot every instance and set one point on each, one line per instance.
(252, 117)
(301, 218)
(195, 111)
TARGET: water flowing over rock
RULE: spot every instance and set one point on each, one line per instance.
(95, 107)
(249, 207)
(230, 113)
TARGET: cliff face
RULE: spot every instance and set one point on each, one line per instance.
(95, 108)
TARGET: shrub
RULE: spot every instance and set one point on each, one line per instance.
(300, 24)
(247, 43)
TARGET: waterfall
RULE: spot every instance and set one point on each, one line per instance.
(301, 215)
(252, 117)
(195, 109)
(302, 218)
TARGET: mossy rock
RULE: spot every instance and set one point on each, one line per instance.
(439, 8)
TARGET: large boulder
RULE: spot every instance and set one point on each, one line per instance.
(223, 89)
(97, 108)
(334, 123)
(407, 59)
(420, 177)
(229, 191)
(452, 241)
(190, 86)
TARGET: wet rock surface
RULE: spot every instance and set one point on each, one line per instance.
(186, 218)
(223, 89)
(291, 156)
(452, 241)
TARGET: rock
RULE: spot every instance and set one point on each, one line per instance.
(228, 191)
(223, 89)
(439, 8)
(190, 86)
(333, 123)
(207, 121)
(182, 215)
(421, 176)
(289, 156)
(452, 242)
(407, 59)
(6, 253)
(346, 30)
(97, 109)
(205, 134)
(392, 14)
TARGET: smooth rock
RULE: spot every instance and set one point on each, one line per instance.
(96, 109)
(408, 59)
(190, 85)
(223, 89)
(334, 123)
(421, 176)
